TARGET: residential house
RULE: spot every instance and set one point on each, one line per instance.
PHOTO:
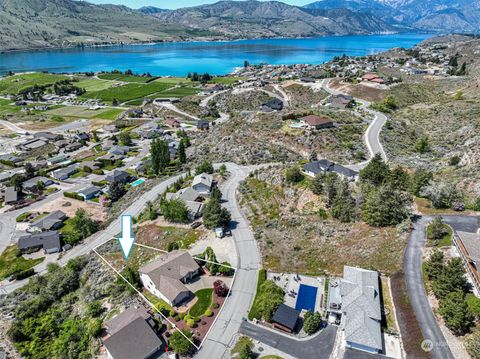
(166, 276)
(91, 165)
(203, 125)
(74, 146)
(107, 144)
(119, 176)
(315, 122)
(203, 184)
(341, 101)
(273, 104)
(10, 158)
(308, 79)
(63, 174)
(193, 200)
(48, 136)
(49, 241)
(56, 160)
(50, 222)
(110, 158)
(132, 323)
(285, 318)
(31, 145)
(324, 166)
(119, 150)
(7, 175)
(468, 245)
(31, 184)
(81, 136)
(172, 122)
(9, 195)
(90, 192)
(361, 311)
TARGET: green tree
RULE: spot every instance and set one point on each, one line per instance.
(376, 172)
(420, 179)
(29, 170)
(437, 229)
(434, 265)
(215, 216)
(94, 309)
(181, 342)
(450, 279)
(246, 353)
(442, 194)
(125, 138)
(132, 278)
(293, 175)
(330, 187)
(174, 210)
(182, 155)
(343, 206)
(386, 207)
(455, 313)
(269, 299)
(160, 155)
(83, 226)
(204, 167)
(422, 145)
(399, 179)
(317, 184)
(116, 190)
(311, 322)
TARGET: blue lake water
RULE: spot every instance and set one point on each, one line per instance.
(218, 58)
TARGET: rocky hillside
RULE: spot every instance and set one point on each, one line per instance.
(432, 15)
(43, 23)
(254, 19)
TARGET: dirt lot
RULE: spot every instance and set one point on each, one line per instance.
(95, 210)
(293, 237)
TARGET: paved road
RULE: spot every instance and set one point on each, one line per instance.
(372, 135)
(319, 346)
(14, 128)
(412, 267)
(222, 335)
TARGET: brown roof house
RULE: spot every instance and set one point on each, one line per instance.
(315, 122)
(166, 276)
(131, 335)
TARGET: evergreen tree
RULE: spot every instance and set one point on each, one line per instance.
(376, 172)
(317, 184)
(330, 187)
(343, 207)
(454, 311)
(182, 155)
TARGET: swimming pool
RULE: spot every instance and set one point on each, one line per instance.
(307, 297)
(138, 182)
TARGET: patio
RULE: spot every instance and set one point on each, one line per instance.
(293, 284)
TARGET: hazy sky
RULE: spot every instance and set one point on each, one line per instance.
(173, 4)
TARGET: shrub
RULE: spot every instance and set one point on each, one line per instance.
(190, 323)
(294, 175)
(208, 313)
(215, 305)
(24, 274)
(73, 195)
(312, 322)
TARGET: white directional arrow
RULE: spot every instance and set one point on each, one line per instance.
(127, 238)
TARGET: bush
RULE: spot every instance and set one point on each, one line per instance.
(312, 322)
(204, 167)
(172, 313)
(294, 175)
(190, 323)
(208, 313)
(73, 195)
(24, 274)
(216, 305)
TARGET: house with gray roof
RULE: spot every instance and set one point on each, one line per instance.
(166, 276)
(89, 192)
(31, 184)
(49, 241)
(9, 195)
(468, 245)
(192, 199)
(325, 166)
(63, 174)
(361, 311)
(50, 222)
(203, 184)
(132, 335)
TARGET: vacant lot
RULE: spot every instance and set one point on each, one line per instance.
(160, 236)
(293, 237)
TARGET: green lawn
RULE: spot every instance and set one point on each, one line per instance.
(91, 85)
(446, 241)
(110, 114)
(67, 227)
(203, 303)
(226, 80)
(254, 311)
(159, 304)
(13, 84)
(131, 91)
(85, 112)
(178, 92)
(124, 78)
(11, 262)
(23, 217)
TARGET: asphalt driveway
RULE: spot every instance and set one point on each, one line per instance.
(319, 346)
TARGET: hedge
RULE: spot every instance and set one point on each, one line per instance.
(254, 311)
(24, 274)
(73, 195)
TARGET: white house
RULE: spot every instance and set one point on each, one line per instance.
(203, 184)
(166, 276)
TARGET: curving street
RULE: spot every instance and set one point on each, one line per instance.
(412, 267)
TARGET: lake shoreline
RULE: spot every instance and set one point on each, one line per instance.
(192, 41)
